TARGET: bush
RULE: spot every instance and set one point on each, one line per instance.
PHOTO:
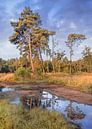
(5, 69)
(22, 74)
(38, 73)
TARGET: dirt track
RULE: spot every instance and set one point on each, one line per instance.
(57, 90)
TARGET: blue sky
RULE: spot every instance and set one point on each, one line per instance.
(62, 16)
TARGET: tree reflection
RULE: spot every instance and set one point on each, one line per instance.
(31, 101)
(1, 87)
(74, 113)
(49, 102)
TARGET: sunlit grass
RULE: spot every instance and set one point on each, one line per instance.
(82, 82)
(6, 77)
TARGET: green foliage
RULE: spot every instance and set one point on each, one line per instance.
(16, 117)
(22, 74)
(71, 41)
(87, 58)
(5, 69)
(38, 73)
(48, 66)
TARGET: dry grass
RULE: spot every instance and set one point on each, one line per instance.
(81, 82)
(9, 77)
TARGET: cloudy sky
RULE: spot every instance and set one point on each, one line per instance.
(62, 16)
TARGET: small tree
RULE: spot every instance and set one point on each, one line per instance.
(87, 58)
(59, 55)
(71, 41)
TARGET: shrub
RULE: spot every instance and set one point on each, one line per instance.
(22, 74)
(5, 69)
(38, 73)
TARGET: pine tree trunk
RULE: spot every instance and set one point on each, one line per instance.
(41, 60)
(58, 66)
(53, 65)
(47, 64)
(30, 52)
(70, 66)
(71, 60)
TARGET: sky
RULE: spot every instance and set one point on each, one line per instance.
(62, 16)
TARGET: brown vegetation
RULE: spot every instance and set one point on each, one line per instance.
(6, 77)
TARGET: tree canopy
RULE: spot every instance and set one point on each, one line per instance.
(29, 36)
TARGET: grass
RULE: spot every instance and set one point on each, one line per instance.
(16, 117)
(6, 77)
(81, 82)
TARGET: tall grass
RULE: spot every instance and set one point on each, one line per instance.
(16, 117)
(82, 82)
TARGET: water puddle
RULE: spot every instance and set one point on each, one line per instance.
(77, 113)
(5, 89)
(80, 114)
(16, 101)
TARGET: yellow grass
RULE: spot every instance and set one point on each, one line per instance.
(81, 82)
(9, 77)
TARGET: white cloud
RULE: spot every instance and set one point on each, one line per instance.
(13, 20)
(7, 50)
(73, 25)
(82, 46)
(60, 23)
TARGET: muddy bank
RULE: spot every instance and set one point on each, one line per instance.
(58, 90)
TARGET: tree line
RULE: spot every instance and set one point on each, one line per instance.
(60, 61)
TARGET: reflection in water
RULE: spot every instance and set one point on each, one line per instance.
(5, 89)
(15, 101)
(48, 100)
(74, 113)
(31, 101)
(80, 114)
(52, 102)
(1, 87)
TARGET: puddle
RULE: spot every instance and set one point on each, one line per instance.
(80, 114)
(77, 113)
(15, 101)
(5, 89)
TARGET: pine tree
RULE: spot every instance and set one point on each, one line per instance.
(28, 35)
(71, 41)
